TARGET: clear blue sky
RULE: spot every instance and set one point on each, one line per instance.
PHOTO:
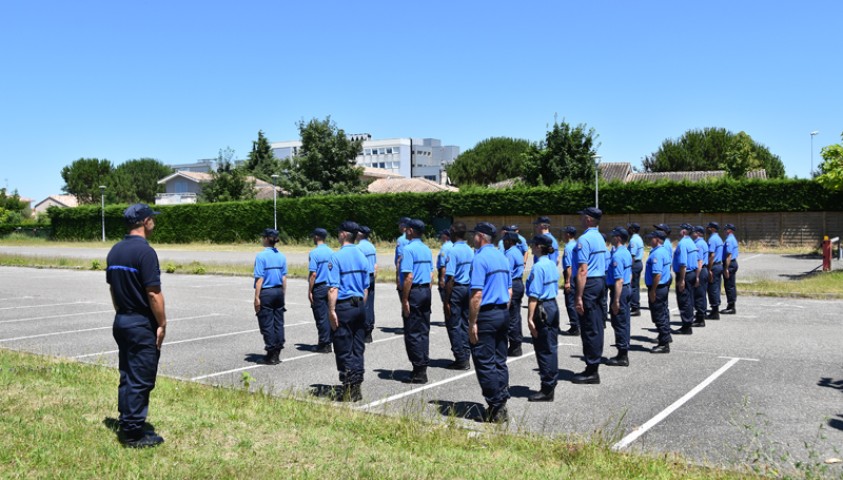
(178, 80)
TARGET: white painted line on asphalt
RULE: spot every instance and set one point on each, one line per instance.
(52, 305)
(625, 441)
(15, 298)
(65, 332)
(283, 361)
(17, 320)
(750, 258)
(178, 342)
(741, 358)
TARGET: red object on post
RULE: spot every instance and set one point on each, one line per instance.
(826, 254)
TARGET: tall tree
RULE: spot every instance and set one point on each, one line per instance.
(831, 169)
(11, 207)
(83, 177)
(714, 149)
(137, 180)
(325, 162)
(228, 183)
(261, 161)
(567, 154)
(491, 160)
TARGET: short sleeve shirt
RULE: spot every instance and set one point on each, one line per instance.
(318, 262)
(730, 247)
(418, 260)
(348, 272)
(621, 266)
(458, 264)
(132, 266)
(271, 266)
(715, 245)
(543, 282)
(490, 274)
(657, 263)
(370, 252)
(516, 262)
(591, 250)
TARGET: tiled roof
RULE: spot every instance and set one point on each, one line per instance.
(615, 171)
(675, 176)
(375, 173)
(400, 185)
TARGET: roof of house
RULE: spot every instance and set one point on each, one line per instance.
(375, 173)
(198, 177)
(400, 185)
(65, 200)
(615, 171)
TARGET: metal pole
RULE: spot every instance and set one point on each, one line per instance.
(811, 173)
(102, 208)
(596, 180)
(274, 203)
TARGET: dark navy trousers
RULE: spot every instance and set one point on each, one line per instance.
(138, 365)
(685, 298)
(571, 305)
(271, 318)
(547, 346)
(320, 313)
(417, 327)
(591, 322)
(489, 354)
(729, 283)
(620, 322)
(457, 326)
(370, 306)
(714, 286)
(515, 333)
(700, 303)
(635, 298)
(349, 340)
(604, 304)
(660, 314)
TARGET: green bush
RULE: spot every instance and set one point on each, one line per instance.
(243, 221)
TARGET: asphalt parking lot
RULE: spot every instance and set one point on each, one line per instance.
(765, 382)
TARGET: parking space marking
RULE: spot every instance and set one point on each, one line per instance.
(25, 297)
(52, 305)
(178, 342)
(17, 320)
(750, 258)
(625, 441)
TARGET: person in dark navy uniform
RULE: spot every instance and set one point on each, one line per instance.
(685, 267)
(365, 246)
(348, 284)
(416, 279)
(515, 258)
(715, 270)
(140, 323)
(701, 287)
(619, 278)
(569, 273)
(657, 278)
(457, 282)
(270, 289)
(590, 258)
(318, 288)
(636, 249)
(543, 317)
(730, 269)
(488, 321)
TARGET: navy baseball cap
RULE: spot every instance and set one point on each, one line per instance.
(319, 232)
(699, 229)
(657, 234)
(511, 236)
(137, 213)
(570, 230)
(269, 233)
(542, 220)
(592, 212)
(487, 228)
(542, 240)
(365, 230)
(714, 225)
(729, 226)
(633, 226)
(403, 221)
(445, 232)
(663, 227)
(686, 226)
(349, 226)
(416, 225)
(510, 228)
(620, 232)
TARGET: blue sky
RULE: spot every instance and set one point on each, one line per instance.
(179, 80)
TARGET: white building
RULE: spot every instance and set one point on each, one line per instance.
(408, 157)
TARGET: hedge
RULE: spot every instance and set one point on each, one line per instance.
(242, 221)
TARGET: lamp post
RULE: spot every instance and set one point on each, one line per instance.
(811, 173)
(102, 207)
(596, 180)
(274, 202)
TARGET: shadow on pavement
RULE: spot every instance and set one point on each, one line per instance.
(467, 410)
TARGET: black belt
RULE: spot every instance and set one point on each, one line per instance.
(492, 306)
(461, 284)
(421, 285)
(637, 261)
(270, 288)
(625, 284)
(718, 263)
(663, 285)
(350, 300)
(319, 284)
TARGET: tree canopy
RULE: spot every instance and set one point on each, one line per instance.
(831, 169)
(566, 154)
(491, 160)
(714, 149)
(11, 207)
(83, 178)
(261, 161)
(130, 182)
(228, 183)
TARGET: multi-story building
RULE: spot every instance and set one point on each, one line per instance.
(408, 157)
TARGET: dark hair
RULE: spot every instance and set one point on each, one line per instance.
(546, 250)
(458, 230)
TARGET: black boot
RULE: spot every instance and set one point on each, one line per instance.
(661, 348)
(419, 375)
(571, 332)
(368, 337)
(699, 321)
(587, 377)
(272, 357)
(543, 395)
(459, 365)
(621, 360)
(514, 351)
(351, 393)
(635, 313)
(324, 348)
(730, 309)
(714, 314)
(497, 414)
(685, 330)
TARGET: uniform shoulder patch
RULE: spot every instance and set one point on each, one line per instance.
(330, 266)
(579, 246)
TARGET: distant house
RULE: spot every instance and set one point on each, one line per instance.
(185, 187)
(61, 201)
(403, 185)
(372, 173)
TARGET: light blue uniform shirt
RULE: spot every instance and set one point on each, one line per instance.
(621, 266)
(348, 272)
(418, 260)
(730, 246)
(458, 264)
(702, 250)
(490, 273)
(371, 253)
(554, 257)
(271, 265)
(543, 282)
(400, 243)
(522, 245)
(715, 244)
(318, 262)
(516, 262)
(568, 257)
(657, 262)
(591, 250)
(442, 258)
(636, 247)
(685, 255)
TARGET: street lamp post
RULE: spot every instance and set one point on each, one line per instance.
(812, 151)
(102, 207)
(274, 202)
(596, 180)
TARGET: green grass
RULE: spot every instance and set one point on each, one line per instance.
(58, 417)
(822, 285)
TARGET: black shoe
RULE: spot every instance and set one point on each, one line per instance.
(713, 315)
(588, 377)
(635, 313)
(272, 357)
(324, 348)
(685, 330)
(148, 439)
(699, 323)
(458, 365)
(621, 360)
(368, 337)
(350, 393)
(571, 332)
(514, 352)
(418, 376)
(541, 396)
(730, 310)
(497, 414)
(661, 348)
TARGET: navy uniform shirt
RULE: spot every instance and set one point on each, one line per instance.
(132, 266)
(621, 266)
(685, 255)
(271, 266)
(730, 246)
(418, 260)
(318, 262)
(490, 273)
(522, 245)
(458, 263)
(702, 250)
(516, 262)
(591, 250)
(657, 262)
(636, 247)
(715, 244)
(442, 258)
(348, 272)
(370, 252)
(543, 282)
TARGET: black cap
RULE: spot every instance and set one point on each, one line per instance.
(542, 240)
(592, 212)
(542, 220)
(699, 229)
(511, 236)
(445, 232)
(485, 227)
(634, 227)
(686, 226)
(416, 225)
(403, 221)
(350, 227)
(663, 227)
(319, 232)
(620, 232)
(269, 233)
(714, 225)
(137, 213)
(570, 230)
(657, 234)
(729, 226)
(510, 228)
(365, 230)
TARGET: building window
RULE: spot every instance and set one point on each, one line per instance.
(396, 149)
(367, 151)
(389, 150)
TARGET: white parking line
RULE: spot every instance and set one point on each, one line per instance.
(750, 258)
(15, 298)
(625, 441)
(17, 320)
(52, 305)
(167, 344)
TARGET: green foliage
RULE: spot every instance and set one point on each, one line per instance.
(10, 203)
(96, 265)
(261, 161)
(325, 162)
(714, 149)
(226, 222)
(136, 181)
(566, 155)
(831, 169)
(228, 183)
(491, 160)
(83, 177)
